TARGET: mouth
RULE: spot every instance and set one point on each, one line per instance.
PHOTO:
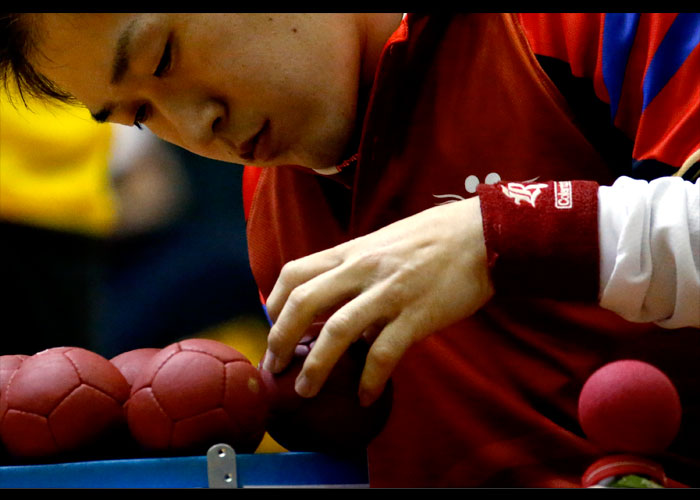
(247, 149)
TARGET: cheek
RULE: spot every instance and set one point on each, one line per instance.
(170, 135)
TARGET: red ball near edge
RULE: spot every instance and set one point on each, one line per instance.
(630, 406)
(333, 421)
(8, 364)
(61, 400)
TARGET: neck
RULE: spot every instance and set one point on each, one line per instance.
(375, 30)
(378, 27)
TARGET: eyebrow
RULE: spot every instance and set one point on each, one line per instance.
(120, 65)
(121, 54)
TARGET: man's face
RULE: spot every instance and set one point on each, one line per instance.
(260, 89)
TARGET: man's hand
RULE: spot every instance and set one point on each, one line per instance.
(394, 286)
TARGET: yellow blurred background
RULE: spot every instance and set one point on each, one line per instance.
(54, 162)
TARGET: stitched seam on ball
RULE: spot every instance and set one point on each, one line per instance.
(48, 423)
(223, 395)
(152, 393)
(157, 370)
(160, 405)
(204, 351)
(7, 387)
(26, 412)
(222, 404)
(67, 393)
(12, 375)
(85, 382)
(55, 441)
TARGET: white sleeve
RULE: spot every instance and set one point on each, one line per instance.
(650, 250)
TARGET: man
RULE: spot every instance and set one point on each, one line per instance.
(491, 311)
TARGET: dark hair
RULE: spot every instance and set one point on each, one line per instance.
(18, 43)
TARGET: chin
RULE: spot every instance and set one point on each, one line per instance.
(334, 153)
(312, 160)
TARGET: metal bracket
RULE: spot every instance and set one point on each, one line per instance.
(221, 467)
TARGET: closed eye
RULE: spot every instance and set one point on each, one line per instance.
(165, 61)
(162, 69)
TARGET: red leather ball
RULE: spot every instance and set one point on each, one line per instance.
(8, 364)
(130, 363)
(194, 394)
(60, 400)
(333, 421)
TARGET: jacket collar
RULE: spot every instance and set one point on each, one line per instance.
(400, 35)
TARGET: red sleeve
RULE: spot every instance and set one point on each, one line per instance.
(646, 67)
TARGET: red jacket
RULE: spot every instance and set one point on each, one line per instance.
(491, 400)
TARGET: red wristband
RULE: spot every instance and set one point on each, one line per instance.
(542, 238)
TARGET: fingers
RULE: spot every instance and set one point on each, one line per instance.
(342, 329)
(304, 290)
(296, 272)
(385, 353)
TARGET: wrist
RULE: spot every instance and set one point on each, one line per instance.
(542, 238)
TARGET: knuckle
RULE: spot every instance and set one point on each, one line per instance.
(298, 299)
(288, 272)
(382, 356)
(338, 326)
(371, 260)
(396, 295)
(370, 257)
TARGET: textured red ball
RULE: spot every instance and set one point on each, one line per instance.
(8, 364)
(60, 400)
(131, 363)
(630, 406)
(196, 393)
(333, 421)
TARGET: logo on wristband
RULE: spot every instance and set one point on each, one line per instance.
(523, 192)
(563, 197)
